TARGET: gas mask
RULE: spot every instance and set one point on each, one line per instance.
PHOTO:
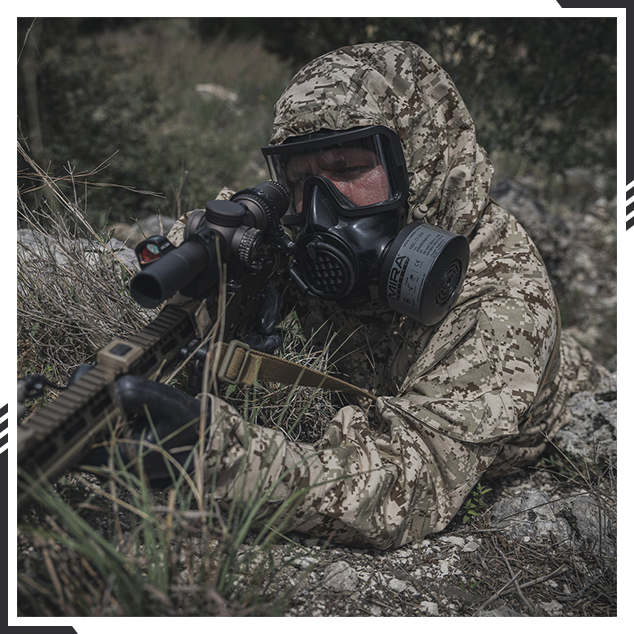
(348, 210)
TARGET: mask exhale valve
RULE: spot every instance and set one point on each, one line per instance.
(423, 271)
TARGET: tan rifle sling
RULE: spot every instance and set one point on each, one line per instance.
(238, 363)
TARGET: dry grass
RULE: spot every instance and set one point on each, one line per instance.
(122, 550)
(580, 575)
(72, 293)
(534, 578)
(114, 547)
(301, 413)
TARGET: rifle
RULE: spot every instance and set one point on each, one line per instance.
(232, 246)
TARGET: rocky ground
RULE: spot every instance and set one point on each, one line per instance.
(540, 543)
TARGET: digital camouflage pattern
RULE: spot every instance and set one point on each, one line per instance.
(455, 400)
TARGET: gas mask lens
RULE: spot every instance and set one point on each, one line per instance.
(364, 169)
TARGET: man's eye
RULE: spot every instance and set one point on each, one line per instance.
(352, 170)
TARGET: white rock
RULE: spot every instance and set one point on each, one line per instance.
(471, 547)
(304, 562)
(340, 577)
(430, 608)
(398, 585)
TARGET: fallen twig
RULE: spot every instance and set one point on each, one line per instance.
(499, 593)
(518, 589)
(534, 582)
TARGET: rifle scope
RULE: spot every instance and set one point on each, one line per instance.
(230, 231)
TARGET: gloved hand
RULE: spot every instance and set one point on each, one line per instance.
(264, 337)
(158, 414)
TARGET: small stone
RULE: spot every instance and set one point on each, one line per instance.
(471, 547)
(304, 562)
(554, 608)
(398, 585)
(429, 608)
(340, 577)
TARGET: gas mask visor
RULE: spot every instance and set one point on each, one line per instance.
(364, 168)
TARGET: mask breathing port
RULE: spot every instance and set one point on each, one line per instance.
(327, 269)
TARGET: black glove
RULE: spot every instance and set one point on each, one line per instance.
(264, 336)
(158, 414)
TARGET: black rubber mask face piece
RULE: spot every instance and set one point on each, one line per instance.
(338, 257)
(417, 270)
(349, 203)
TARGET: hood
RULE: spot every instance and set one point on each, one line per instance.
(400, 86)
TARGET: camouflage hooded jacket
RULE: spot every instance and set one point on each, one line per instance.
(478, 392)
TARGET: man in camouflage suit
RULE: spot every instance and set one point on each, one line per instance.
(481, 391)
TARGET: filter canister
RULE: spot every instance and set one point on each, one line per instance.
(423, 271)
